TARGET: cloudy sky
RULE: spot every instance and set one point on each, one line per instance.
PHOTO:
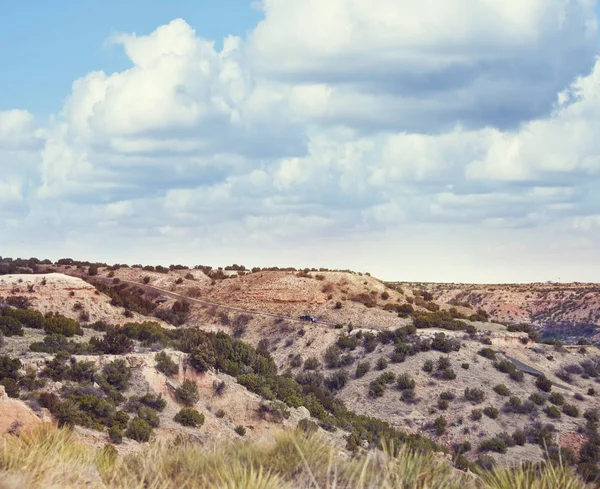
(439, 140)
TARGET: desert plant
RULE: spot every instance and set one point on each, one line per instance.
(187, 393)
(189, 417)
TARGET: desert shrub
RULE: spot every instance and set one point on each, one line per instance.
(57, 368)
(381, 364)
(502, 390)
(220, 413)
(439, 425)
(30, 381)
(189, 417)
(149, 415)
(405, 381)
(443, 404)
(564, 375)
(11, 386)
(240, 430)
(311, 363)
(543, 383)
(443, 363)
(82, 371)
(114, 342)
(428, 366)
(447, 395)
(476, 414)
(447, 374)
(58, 324)
(296, 360)
(48, 400)
(367, 299)
(9, 367)
(465, 366)
(116, 374)
(187, 393)
(441, 343)
(485, 462)
(376, 388)
(307, 426)
(537, 398)
(474, 395)
(27, 318)
(589, 472)
(519, 437)
(337, 380)
(277, 411)
(333, 357)
(592, 415)
(10, 327)
(570, 410)
(552, 412)
(349, 342)
(115, 434)
(362, 369)
(491, 412)
(495, 444)
(557, 399)
(165, 364)
(139, 430)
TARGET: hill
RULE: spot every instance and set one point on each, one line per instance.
(380, 362)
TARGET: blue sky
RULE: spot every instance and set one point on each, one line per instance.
(47, 45)
(415, 140)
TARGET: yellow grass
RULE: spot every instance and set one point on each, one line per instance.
(51, 458)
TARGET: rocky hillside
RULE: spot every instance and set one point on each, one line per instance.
(379, 362)
(564, 311)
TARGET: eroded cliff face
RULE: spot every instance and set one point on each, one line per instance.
(16, 414)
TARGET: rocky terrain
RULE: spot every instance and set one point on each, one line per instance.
(567, 311)
(425, 360)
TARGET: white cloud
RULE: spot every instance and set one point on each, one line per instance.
(288, 142)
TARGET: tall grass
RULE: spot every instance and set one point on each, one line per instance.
(50, 458)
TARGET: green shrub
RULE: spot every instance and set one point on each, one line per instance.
(381, 364)
(361, 369)
(11, 386)
(240, 430)
(187, 393)
(487, 353)
(491, 412)
(571, 410)
(474, 395)
(82, 371)
(149, 415)
(543, 383)
(557, 399)
(443, 404)
(308, 426)
(58, 324)
(139, 430)
(116, 374)
(114, 342)
(552, 412)
(428, 366)
(502, 390)
(404, 382)
(311, 363)
(10, 327)
(519, 438)
(537, 398)
(439, 425)
(448, 374)
(465, 366)
(115, 434)
(189, 417)
(495, 444)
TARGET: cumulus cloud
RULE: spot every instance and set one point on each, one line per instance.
(394, 121)
(422, 65)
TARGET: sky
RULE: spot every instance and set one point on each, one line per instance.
(440, 140)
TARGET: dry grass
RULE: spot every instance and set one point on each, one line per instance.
(49, 458)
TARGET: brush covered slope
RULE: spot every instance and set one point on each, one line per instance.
(235, 361)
